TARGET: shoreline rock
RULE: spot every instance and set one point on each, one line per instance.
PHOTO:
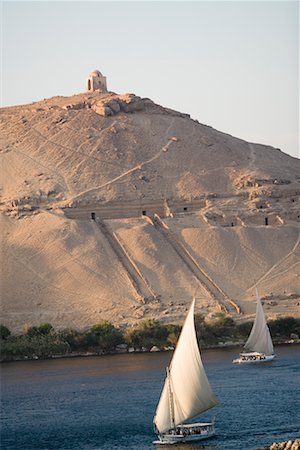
(285, 445)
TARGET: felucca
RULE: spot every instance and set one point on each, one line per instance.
(186, 392)
(259, 347)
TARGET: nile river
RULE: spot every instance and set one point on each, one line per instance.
(108, 402)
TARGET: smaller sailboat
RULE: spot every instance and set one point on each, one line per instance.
(259, 347)
(186, 392)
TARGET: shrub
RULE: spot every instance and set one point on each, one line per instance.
(45, 328)
(284, 326)
(4, 332)
(244, 329)
(147, 334)
(32, 332)
(173, 334)
(41, 330)
(220, 326)
(221, 320)
(105, 336)
(30, 346)
(76, 340)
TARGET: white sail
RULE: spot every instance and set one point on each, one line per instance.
(260, 339)
(186, 392)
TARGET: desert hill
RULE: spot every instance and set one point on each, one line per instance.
(116, 208)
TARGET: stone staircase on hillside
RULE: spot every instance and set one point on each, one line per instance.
(138, 280)
(227, 304)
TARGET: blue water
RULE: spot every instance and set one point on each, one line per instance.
(108, 402)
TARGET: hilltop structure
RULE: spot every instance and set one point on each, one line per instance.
(96, 81)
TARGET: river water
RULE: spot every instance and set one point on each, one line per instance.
(108, 402)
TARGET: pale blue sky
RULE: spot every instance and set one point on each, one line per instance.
(230, 64)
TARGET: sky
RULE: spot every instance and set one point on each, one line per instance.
(233, 65)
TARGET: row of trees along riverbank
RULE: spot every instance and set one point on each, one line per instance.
(43, 341)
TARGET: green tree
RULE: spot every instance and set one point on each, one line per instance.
(41, 346)
(217, 328)
(105, 336)
(244, 329)
(173, 334)
(75, 339)
(41, 330)
(221, 325)
(4, 332)
(284, 326)
(32, 331)
(147, 334)
(45, 328)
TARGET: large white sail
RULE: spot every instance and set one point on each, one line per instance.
(260, 339)
(186, 392)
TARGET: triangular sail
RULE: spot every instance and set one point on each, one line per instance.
(191, 393)
(260, 339)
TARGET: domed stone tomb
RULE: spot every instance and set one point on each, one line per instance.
(96, 81)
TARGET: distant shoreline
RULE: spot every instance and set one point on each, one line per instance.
(138, 351)
(44, 342)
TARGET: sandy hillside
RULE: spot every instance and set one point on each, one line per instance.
(116, 208)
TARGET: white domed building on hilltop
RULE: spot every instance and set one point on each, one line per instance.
(96, 81)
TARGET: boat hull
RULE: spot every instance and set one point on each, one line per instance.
(253, 358)
(188, 433)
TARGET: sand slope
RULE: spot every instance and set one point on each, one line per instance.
(63, 158)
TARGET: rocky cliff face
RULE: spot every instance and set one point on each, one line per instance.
(178, 207)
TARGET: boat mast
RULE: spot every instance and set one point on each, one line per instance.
(171, 398)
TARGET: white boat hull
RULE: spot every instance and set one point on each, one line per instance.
(188, 433)
(253, 358)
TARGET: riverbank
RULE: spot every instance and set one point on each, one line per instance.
(222, 345)
(44, 342)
